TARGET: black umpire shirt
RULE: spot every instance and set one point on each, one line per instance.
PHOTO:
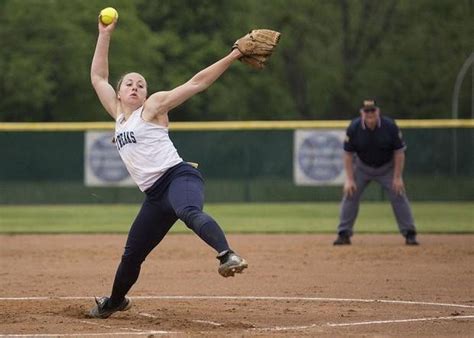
(374, 147)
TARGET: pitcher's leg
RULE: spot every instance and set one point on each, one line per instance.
(186, 196)
(150, 226)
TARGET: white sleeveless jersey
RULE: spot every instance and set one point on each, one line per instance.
(145, 148)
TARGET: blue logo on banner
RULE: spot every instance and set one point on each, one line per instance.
(320, 156)
(105, 161)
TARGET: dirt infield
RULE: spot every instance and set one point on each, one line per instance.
(377, 286)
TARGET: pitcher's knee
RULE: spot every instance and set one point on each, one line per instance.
(193, 217)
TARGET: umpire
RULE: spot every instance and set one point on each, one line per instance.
(379, 152)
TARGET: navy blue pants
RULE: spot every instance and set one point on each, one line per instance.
(178, 194)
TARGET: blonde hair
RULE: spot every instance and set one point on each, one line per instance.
(119, 82)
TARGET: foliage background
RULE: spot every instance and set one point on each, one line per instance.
(332, 54)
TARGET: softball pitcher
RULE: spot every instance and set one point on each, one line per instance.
(173, 188)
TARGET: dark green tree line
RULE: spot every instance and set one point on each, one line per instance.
(332, 54)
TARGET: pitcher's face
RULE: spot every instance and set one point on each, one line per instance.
(133, 90)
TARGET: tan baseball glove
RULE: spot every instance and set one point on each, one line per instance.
(257, 46)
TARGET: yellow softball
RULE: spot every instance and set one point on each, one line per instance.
(108, 15)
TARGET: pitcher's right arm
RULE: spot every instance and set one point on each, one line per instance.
(100, 70)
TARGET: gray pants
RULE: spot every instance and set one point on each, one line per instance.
(363, 175)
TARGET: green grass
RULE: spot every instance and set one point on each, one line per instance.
(241, 218)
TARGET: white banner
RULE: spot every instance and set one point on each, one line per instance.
(318, 157)
(102, 163)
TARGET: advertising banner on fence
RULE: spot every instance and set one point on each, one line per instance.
(318, 157)
(102, 163)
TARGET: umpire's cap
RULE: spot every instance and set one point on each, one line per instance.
(369, 105)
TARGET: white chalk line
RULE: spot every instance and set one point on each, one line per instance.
(130, 331)
(142, 333)
(392, 321)
(148, 315)
(318, 299)
(108, 326)
(207, 322)
(285, 328)
(401, 320)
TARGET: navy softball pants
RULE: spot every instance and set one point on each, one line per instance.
(178, 194)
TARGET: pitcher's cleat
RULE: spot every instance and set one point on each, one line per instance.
(103, 310)
(231, 263)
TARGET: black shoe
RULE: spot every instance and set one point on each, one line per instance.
(411, 240)
(102, 309)
(342, 240)
(231, 263)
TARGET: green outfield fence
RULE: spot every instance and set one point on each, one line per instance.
(241, 162)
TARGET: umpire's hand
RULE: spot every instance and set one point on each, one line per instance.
(349, 187)
(398, 186)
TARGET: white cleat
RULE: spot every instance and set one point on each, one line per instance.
(231, 263)
(101, 309)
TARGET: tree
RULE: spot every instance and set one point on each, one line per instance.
(362, 31)
(46, 52)
(332, 54)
